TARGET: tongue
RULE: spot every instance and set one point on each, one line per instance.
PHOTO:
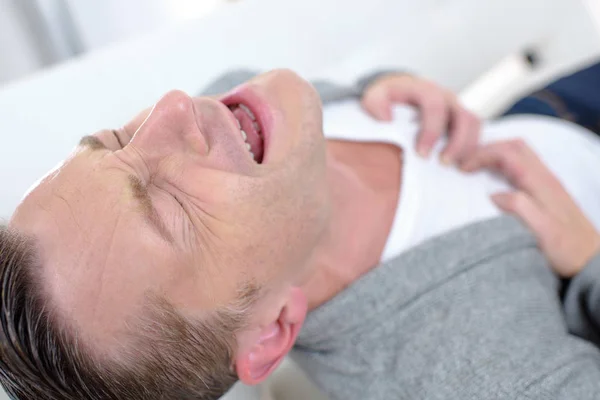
(254, 139)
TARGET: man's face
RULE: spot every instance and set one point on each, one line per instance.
(175, 204)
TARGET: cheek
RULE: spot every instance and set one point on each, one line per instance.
(290, 217)
(230, 156)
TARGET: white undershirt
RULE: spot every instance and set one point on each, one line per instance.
(435, 199)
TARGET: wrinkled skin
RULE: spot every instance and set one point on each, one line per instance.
(223, 219)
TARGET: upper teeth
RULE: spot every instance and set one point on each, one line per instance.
(248, 111)
(254, 124)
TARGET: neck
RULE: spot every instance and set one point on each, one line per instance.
(364, 180)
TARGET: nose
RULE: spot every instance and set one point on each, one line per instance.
(172, 127)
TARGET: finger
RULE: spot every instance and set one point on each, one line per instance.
(463, 134)
(527, 210)
(434, 116)
(496, 156)
(377, 104)
(521, 167)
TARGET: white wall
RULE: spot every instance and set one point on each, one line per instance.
(97, 23)
(18, 54)
(104, 22)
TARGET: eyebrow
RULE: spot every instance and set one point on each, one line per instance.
(92, 142)
(140, 193)
(138, 189)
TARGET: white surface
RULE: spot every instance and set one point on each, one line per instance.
(451, 41)
(51, 36)
(18, 55)
(103, 22)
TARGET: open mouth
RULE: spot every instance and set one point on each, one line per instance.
(250, 130)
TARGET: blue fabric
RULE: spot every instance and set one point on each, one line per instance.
(575, 98)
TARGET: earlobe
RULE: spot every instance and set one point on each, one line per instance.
(276, 339)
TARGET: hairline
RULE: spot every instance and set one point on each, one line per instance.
(222, 325)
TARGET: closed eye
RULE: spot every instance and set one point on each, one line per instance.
(109, 139)
(179, 201)
(116, 135)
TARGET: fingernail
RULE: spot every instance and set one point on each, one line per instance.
(422, 150)
(446, 159)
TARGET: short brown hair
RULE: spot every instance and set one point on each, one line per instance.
(41, 358)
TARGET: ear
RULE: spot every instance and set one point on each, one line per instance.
(275, 340)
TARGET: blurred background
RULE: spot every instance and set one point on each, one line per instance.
(72, 67)
(38, 33)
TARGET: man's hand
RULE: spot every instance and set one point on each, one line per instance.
(566, 236)
(440, 113)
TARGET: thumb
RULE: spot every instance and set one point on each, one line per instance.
(377, 104)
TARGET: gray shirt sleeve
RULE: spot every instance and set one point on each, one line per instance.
(329, 91)
(582, 303)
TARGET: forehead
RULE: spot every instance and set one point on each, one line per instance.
(100, 257)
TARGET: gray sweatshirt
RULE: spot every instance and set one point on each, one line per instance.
(474, 314)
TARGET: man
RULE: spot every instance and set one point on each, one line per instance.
(171, 257)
